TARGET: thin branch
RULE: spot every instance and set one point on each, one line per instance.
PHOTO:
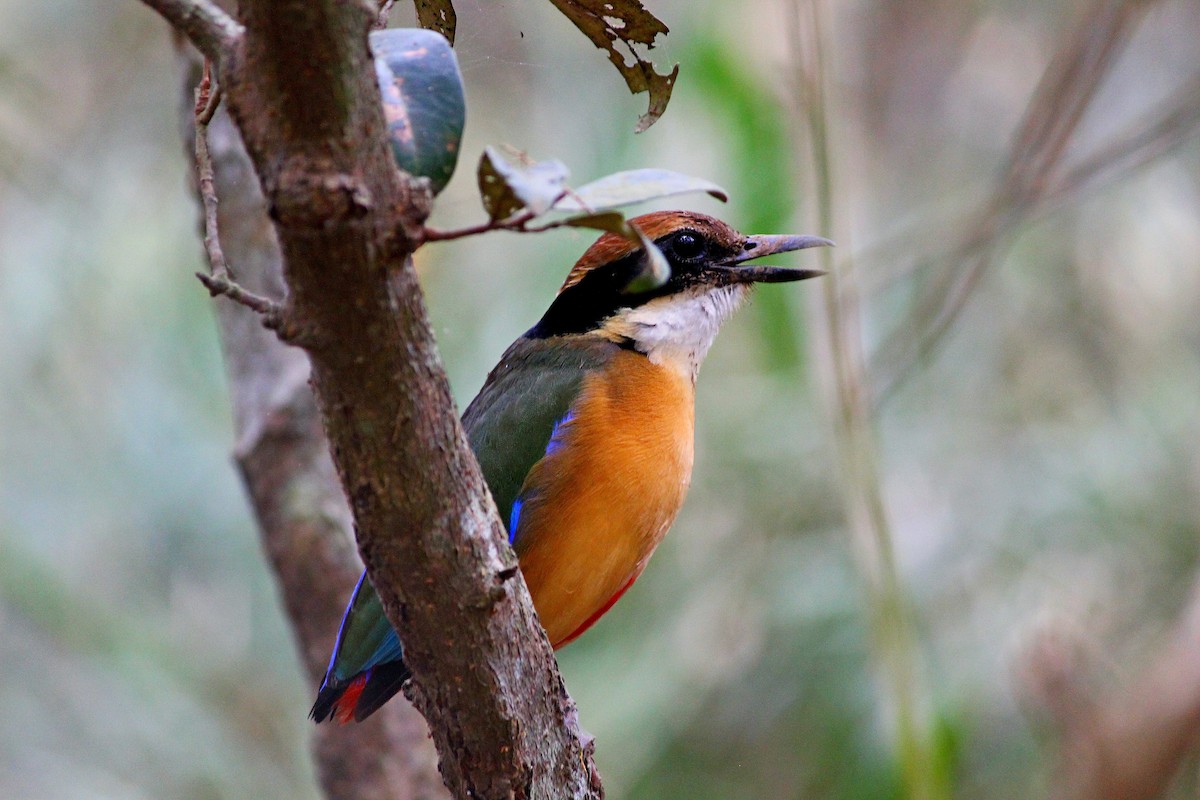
(206, 25)
(515, 224)
(1051, 118)
(220, 282)
(206, 104)
(222, 286)
(549, 226)
(838, 341)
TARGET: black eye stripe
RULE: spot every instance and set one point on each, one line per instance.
(601, 292)
(598, 295)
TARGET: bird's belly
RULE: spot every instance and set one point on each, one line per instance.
(604, 500)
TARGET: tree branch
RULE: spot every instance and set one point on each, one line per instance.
(220, 282)
(221, 285)
(210, 29)
(428, 531)
(284, 461)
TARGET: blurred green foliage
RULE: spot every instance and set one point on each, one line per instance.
(755, 125)
(1041, 471)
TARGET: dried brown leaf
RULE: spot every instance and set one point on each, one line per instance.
(437, 15)
(607, 22)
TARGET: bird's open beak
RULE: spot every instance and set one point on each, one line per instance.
(759, 246)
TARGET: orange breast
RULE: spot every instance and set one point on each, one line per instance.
(601, 503)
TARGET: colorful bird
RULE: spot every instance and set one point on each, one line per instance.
(584, 433)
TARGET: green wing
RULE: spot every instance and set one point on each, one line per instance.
(363, 640)
(510, 422)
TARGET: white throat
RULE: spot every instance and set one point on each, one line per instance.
(677, 330)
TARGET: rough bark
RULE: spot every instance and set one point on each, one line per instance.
(303, 518)
(346, 221)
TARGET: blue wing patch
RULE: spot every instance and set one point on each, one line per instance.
(514, 519)
(556, 444)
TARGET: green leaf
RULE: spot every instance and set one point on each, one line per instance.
(635, 186)
(655, 269)
(507, 188)
(437, 15)
(611, 221)
(607, 22)
(422, 100)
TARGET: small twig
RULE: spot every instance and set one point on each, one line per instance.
(208, 97)
(385, 8)
(206, 103)
(518, 223)
(220, 282)
(515, 223)
(221, 285)
(562, 223)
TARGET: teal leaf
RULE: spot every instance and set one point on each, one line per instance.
(422, 101)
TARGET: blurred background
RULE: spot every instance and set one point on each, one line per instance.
(1024, 255)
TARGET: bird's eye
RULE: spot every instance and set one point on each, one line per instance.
(688, 246)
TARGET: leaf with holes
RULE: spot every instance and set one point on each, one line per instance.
(507, 188)
(607, 22)
(635, 186)
(437, 15)
(422, 101)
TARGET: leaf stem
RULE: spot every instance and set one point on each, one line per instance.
(515, 223)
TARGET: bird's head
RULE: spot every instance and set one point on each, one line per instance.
(674, 323)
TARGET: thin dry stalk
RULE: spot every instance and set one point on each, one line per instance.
(1066, 90)
(836, 330)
